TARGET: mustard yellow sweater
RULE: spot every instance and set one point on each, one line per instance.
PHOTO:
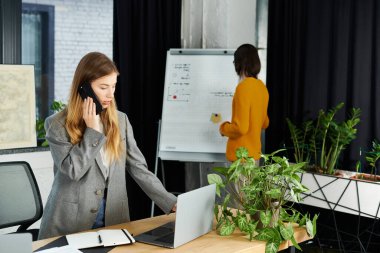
(249, 116)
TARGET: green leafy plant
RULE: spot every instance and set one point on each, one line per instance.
(56, 106)
(320, 142)
(373, 156)
(262, 192)
(300, 139)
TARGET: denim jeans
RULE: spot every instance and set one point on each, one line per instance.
(99, 222)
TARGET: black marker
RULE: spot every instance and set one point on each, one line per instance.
(100, 239)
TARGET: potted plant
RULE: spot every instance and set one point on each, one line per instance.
(262, 193)
(320, 142)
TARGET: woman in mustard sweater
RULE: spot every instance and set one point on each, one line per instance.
(249, 106)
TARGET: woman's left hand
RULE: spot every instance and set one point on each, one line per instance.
(89, 114)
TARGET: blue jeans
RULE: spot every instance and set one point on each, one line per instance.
(99, 222)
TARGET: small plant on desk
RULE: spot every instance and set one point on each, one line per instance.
(261, 194)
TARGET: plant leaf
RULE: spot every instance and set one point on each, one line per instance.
(227, 228)
(297, 167)
(265, 217)
(294, 196)
(252, 225)
(217, 180)
(314, 226)
(287, 232)
(268, 234)
(272, 247)
(274, 193)
(309, 228)
(242, 223)
(45, 143)
(242, 152)
(226, 201)
(219, 223)
(302, 222)
(295, 244)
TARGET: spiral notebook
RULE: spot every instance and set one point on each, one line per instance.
(100, 238)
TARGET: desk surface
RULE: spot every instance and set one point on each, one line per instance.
(211, 242)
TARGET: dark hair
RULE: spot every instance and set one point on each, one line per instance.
(247, 61)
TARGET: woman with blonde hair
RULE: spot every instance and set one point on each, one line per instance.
(92, 145)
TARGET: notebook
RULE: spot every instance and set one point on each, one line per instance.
(104, 237)
(16, 243)
(194, 217)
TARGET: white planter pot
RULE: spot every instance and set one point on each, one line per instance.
(342, 194)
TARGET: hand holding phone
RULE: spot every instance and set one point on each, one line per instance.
(85, 91)
(91, 119)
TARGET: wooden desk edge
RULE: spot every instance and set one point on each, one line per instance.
(130, 226)
(139, 226)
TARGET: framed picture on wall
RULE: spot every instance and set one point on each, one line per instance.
(17, 110)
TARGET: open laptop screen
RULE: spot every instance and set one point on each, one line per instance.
(194, 218)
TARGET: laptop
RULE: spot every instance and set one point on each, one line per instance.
(194, 217)
(16, 243)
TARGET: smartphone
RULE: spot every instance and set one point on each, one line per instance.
(85, 91)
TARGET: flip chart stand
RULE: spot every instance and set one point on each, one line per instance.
(187, 157)
(198, 92)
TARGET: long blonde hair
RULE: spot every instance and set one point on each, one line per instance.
(91, 67)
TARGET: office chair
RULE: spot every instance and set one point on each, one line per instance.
(20, 199)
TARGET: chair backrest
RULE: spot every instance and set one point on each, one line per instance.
(20, 199)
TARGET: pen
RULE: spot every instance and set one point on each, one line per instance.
(100, 239)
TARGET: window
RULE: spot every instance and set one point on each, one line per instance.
(38, 49)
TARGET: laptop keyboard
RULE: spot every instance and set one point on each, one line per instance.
(159, 231)
(163, 230)
(170, 225)
(166, 238)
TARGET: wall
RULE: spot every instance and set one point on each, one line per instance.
(81, 26)
(218, 23)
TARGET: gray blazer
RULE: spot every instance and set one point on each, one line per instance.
(79, 180)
